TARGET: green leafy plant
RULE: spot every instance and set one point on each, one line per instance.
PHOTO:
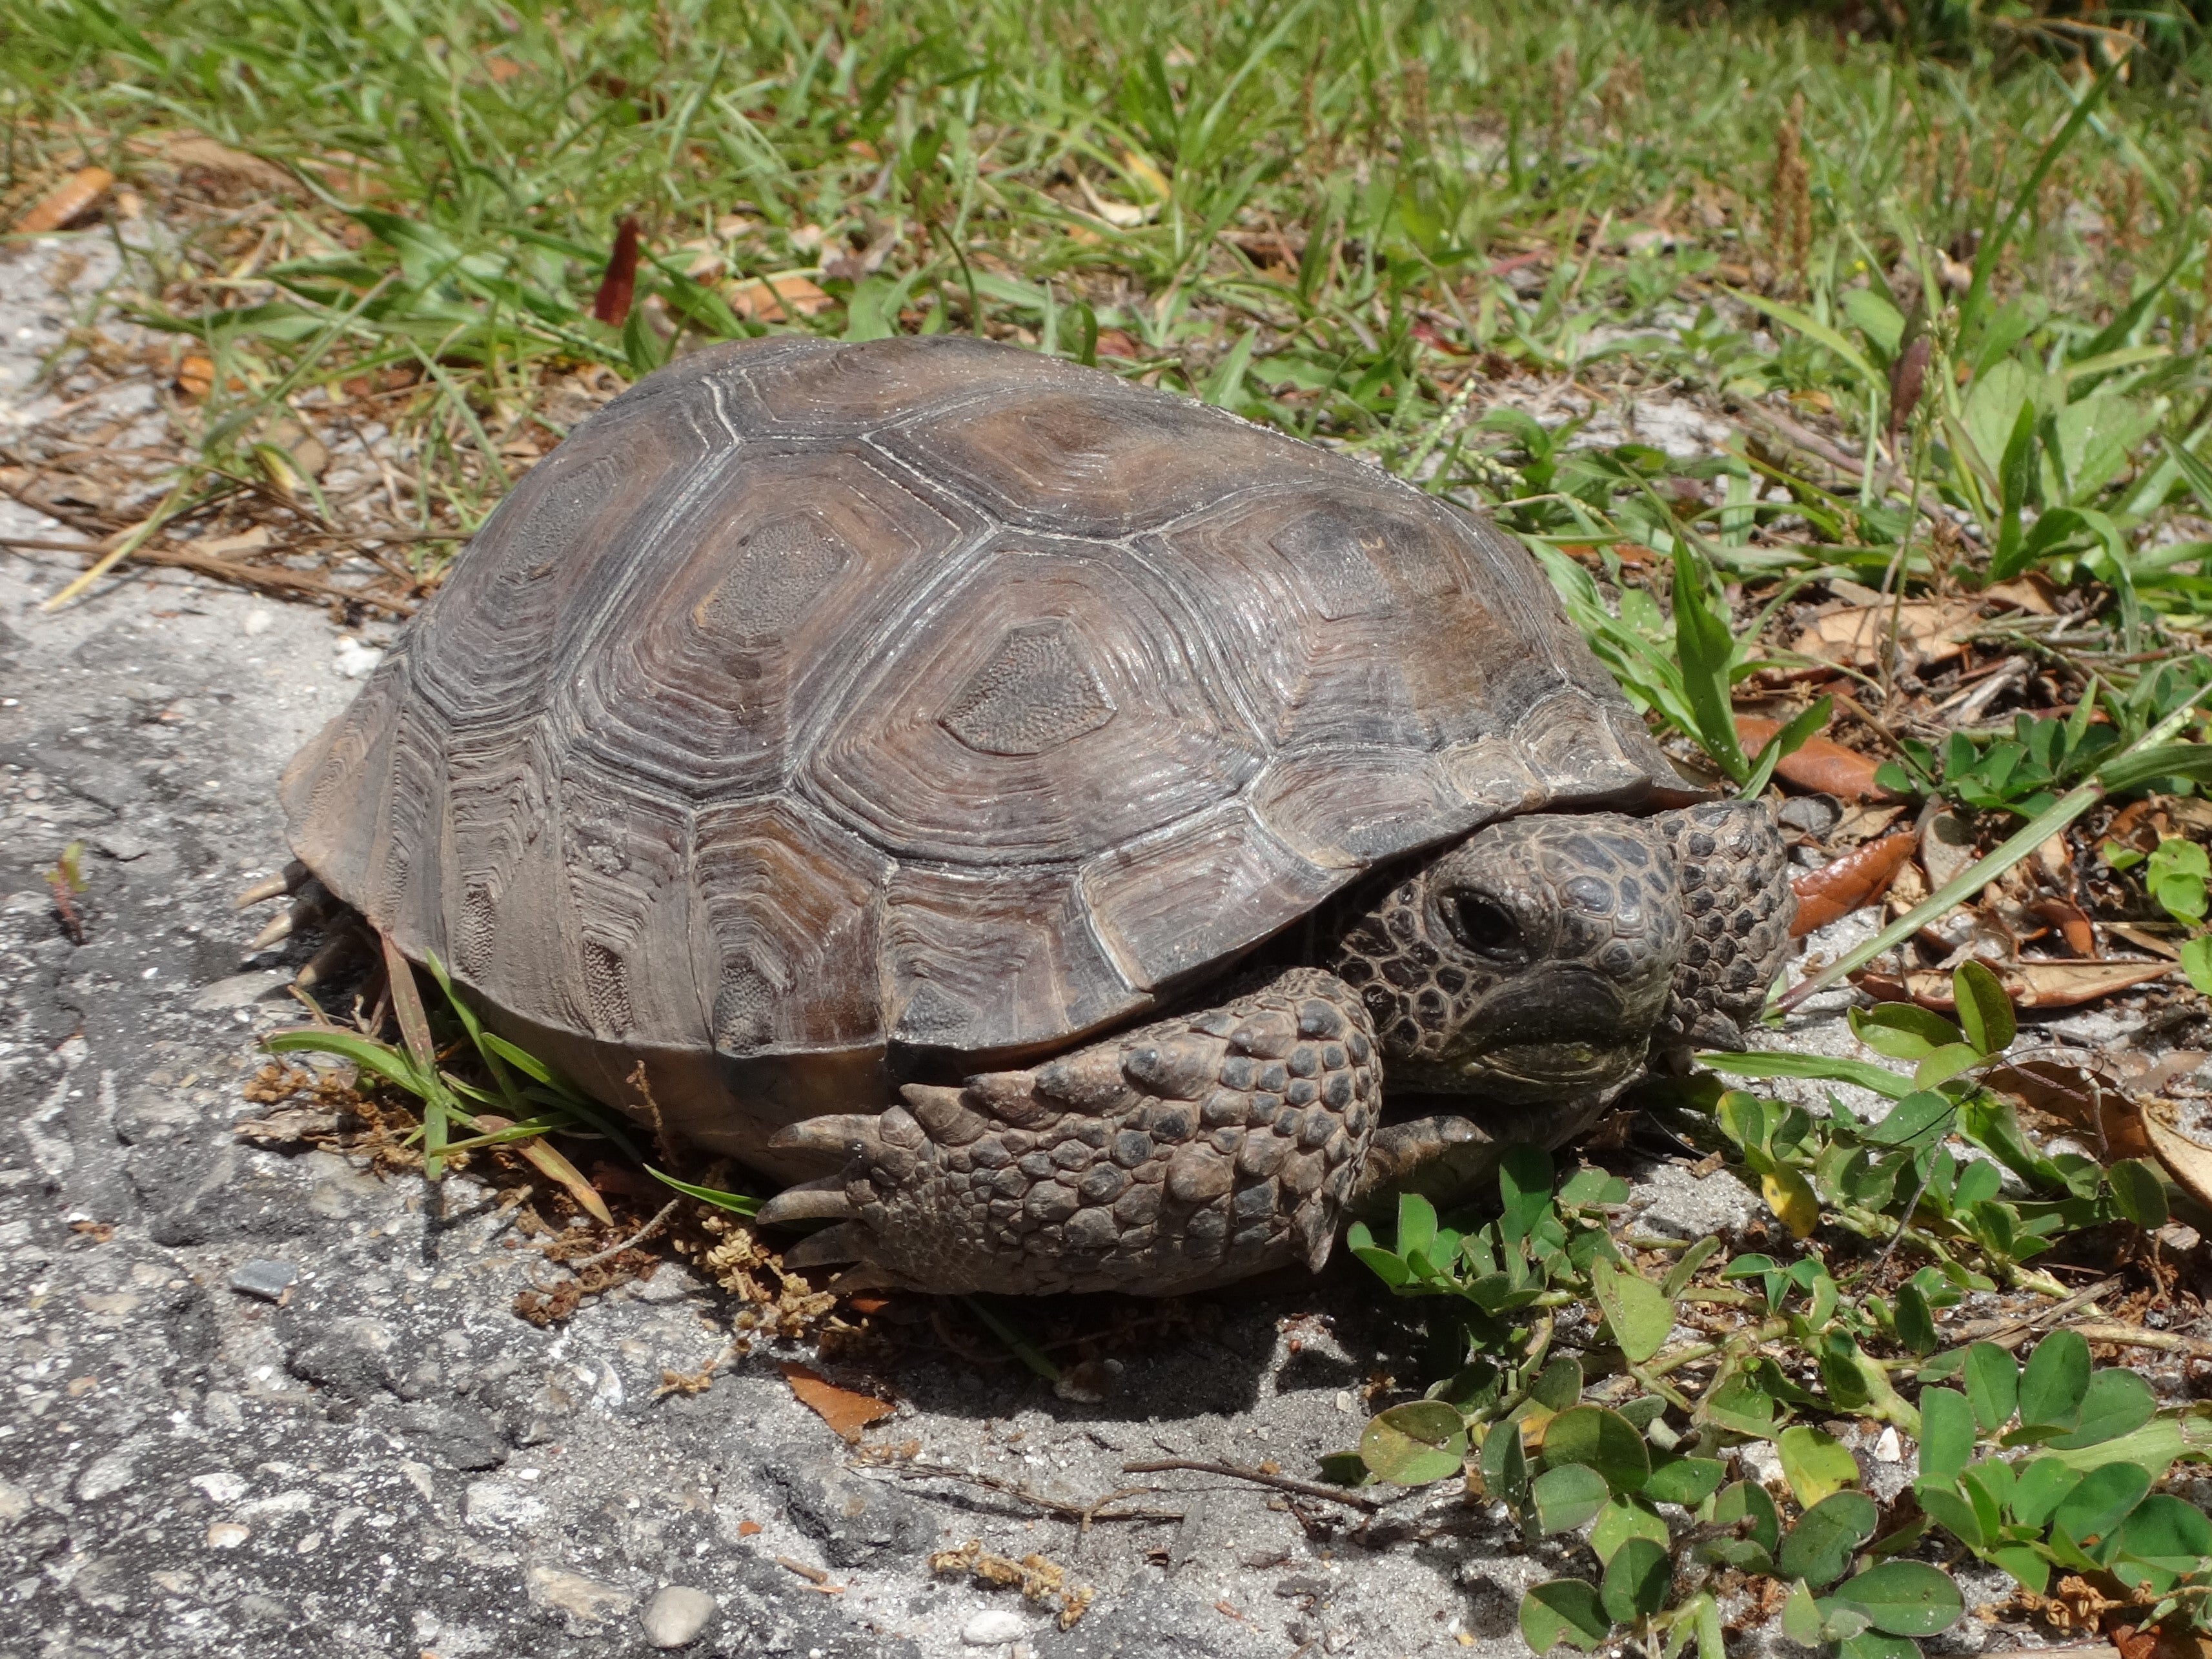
(2175, 876)
(1682, 665)
(1895, 1176)
(2022, 774)
(1623, 1449)
(520, 1101)
(2091, 1443)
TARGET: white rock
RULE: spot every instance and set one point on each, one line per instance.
(676, 1615)
(503, 1505)
(222, 1485)
(257, 622)
(354, 660)
(1889, 1449)
(227, 1536)
(992, 1626)
(107, 1476)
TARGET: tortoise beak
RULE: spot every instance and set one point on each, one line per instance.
(1558, 1031)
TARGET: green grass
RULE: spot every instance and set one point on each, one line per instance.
(1388, 225)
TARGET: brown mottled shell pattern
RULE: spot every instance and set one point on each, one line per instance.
(818, 706)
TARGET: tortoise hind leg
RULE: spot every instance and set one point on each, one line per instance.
(1191, 1152)
(1734, 874)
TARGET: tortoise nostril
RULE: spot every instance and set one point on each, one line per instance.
(1487, 929)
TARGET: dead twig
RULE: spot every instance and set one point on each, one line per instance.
(635, 1239)
(1261, 1477)
(2009, 1333)
(1066, 1509)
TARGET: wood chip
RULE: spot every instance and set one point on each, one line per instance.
(767, 299)
(846, 1412)
(77, 194)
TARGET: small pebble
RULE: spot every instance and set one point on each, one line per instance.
(354, 660)
(676, 1615)
(258, 622)
(269, 1280)
(227, 1536)
(992, 1626)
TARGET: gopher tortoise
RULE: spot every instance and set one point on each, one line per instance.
(1089, 840)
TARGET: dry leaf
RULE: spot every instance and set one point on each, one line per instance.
(197, 150)
(1842, 886)
(1862, 822)
(841, 1408)
(763, 299)
(610, 304)
(2072, 924)
(548, 1161)
(2149, 1076)
(2095, 1105)
(2030, 984)
(1947, 849)
(2189, 1164)
(1821, 764)
(76, 194)
(1927, 631)
(2031, 592)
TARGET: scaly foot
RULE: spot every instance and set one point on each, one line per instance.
(1188, 1153)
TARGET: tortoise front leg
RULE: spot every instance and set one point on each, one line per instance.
(1191, 1152)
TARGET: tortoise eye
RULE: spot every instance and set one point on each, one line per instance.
(1487, 929)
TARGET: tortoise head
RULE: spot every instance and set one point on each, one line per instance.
(1530, 962)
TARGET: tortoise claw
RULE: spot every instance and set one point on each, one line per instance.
(289, 879)
(812, 1201)
(849, 1241)
(314, 904)
(846, 1134)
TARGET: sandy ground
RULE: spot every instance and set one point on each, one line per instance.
(387, 1461)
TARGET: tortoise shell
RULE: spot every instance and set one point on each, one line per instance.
(817, 708)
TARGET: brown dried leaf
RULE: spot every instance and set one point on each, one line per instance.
(2096, 1104)
(2072, 924)
(2031, 592)
(2189, 1164)
(78, 193)
(199, 150)
(1821, 764)
(548, 1161)
(2030, 984)
(1927, 631)
(765, 298)
(841, 1408)
(1842, 886)
(611, 304)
